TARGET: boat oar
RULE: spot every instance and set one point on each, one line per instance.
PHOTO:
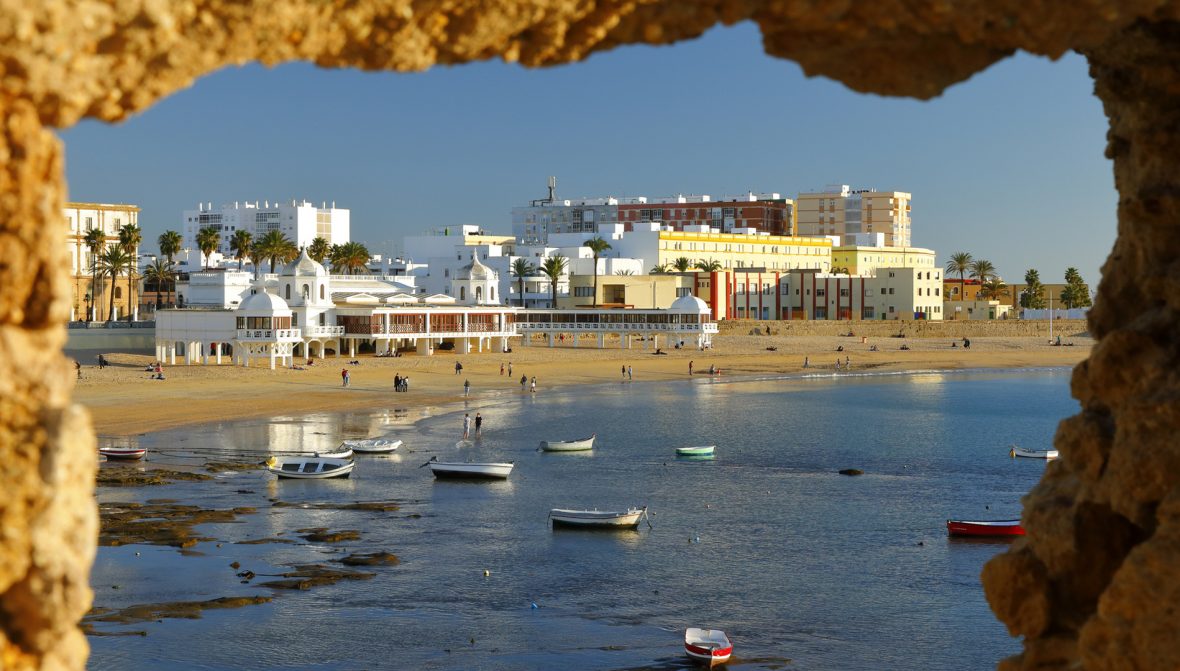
(432, 459)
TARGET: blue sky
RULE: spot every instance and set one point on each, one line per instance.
(1008, 166)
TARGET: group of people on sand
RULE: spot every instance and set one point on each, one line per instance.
(157, 370)
(401, 383)
(467, 425)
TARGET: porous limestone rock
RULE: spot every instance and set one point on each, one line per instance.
(1103, 542)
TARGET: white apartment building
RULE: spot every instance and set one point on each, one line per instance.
(846, 212)
(300, 221)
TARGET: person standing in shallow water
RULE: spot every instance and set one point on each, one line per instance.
(466, 387)
(533, 385)
(466, 426)
(478, 425)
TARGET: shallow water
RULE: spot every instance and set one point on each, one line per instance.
(795, 562)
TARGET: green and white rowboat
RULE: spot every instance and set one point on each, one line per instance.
(702, 451)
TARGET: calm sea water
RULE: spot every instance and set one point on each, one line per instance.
(800, 566)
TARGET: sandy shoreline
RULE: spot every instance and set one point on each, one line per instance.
(122, 400)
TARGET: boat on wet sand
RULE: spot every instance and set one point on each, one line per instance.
(703, 451)
(123, 453)
(341, 453)
(569, 445)
(371, 445)
(1017, 451)
(470, 470)
(310, 468)
(707, 646)
(984, 528)
(598, 519)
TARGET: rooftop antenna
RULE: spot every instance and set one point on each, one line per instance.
(552, 188)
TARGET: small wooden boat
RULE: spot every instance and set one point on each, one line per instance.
(598, 519)
(372, 445)
(310, 468)
(1017, 451)
(569, 445)
(980, 528)
(342, 453)
(703, 451)
(708, 646)
(124, 453)
(470, 470)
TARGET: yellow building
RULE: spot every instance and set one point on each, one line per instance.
(864, 261)
(646, 292)
(845, 212)
(736, 250)
(80, 219)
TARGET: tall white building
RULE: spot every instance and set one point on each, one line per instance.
(846, 212)
(300, 221)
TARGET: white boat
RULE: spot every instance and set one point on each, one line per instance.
(569, 445)
(1017, 451)
(372, 445)
(708, 646)
(126, 453)
(598, 519)
(702, 451)
(470, 470)
(341, 453)
(310, 468)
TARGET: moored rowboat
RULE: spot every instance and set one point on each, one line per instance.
(598, 519)
(310, 468)
(372, 445)
(468, 470)
(342, 453)
(984, 528)
(708, 646)
(569, 445)
(703, 451)
(122, 452)
(1017, 451)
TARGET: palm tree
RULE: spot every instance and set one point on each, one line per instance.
(349, 257)
(129, 238)
(597, 246)
(682, 264)
(208, 239)
(1033, 296)
(522, 268)
(994, 289)
(553, 267)
(274, 246)
(983, 271)
(113, 261)
(661, 269)
(159, 274)
(960, 263)
(242, 244)
(170, 242)
(625, 272)
(710, 266)
(319, 249)
(95, 240)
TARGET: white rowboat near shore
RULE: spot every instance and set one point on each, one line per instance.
(372, 445)
(309, 468)
(1017, 451)
(569, 445)
(470, 470)
(598, 519)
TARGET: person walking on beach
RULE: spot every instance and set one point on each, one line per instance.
(466, 426)
(533, 385)
(690, 367)
(458, 368)
(523, 381)
(629, 375)
(501, 367)
(478, 425)
(806, 362)
(466, 387)
(397, 382)
(78, 369)
(624, 372)
(344, 377)
(509, 369)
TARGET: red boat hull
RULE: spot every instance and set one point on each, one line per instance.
(990, 528)
(710, 656)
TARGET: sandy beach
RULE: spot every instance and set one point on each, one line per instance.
(123, 399)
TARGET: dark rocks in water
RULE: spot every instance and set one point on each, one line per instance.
(247, 574)
(851, 471)
(370, 559)
(322, 535)
(235, 566)
(132, 476)
(314, 575)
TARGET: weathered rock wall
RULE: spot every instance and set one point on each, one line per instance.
(999, 328)
(1094, 585)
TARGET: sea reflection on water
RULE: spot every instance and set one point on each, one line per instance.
(765, 541)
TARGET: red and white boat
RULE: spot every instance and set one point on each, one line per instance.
(708, 646)
(981, 528)
(128, 453)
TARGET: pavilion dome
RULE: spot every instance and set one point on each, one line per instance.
(263, 304)
(690, 304)
(475, 271)
(304, 265)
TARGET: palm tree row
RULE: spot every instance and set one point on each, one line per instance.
(983, 270)
(348, 257)
(112, 261)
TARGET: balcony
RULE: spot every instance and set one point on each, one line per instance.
(268, 335)
(323, 331)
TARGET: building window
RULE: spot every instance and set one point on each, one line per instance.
(583, 292)
(462, 293)
(321, 292)
(323, 318)
(288, 292)
(683, 291)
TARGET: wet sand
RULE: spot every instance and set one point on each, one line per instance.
(123, 400)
